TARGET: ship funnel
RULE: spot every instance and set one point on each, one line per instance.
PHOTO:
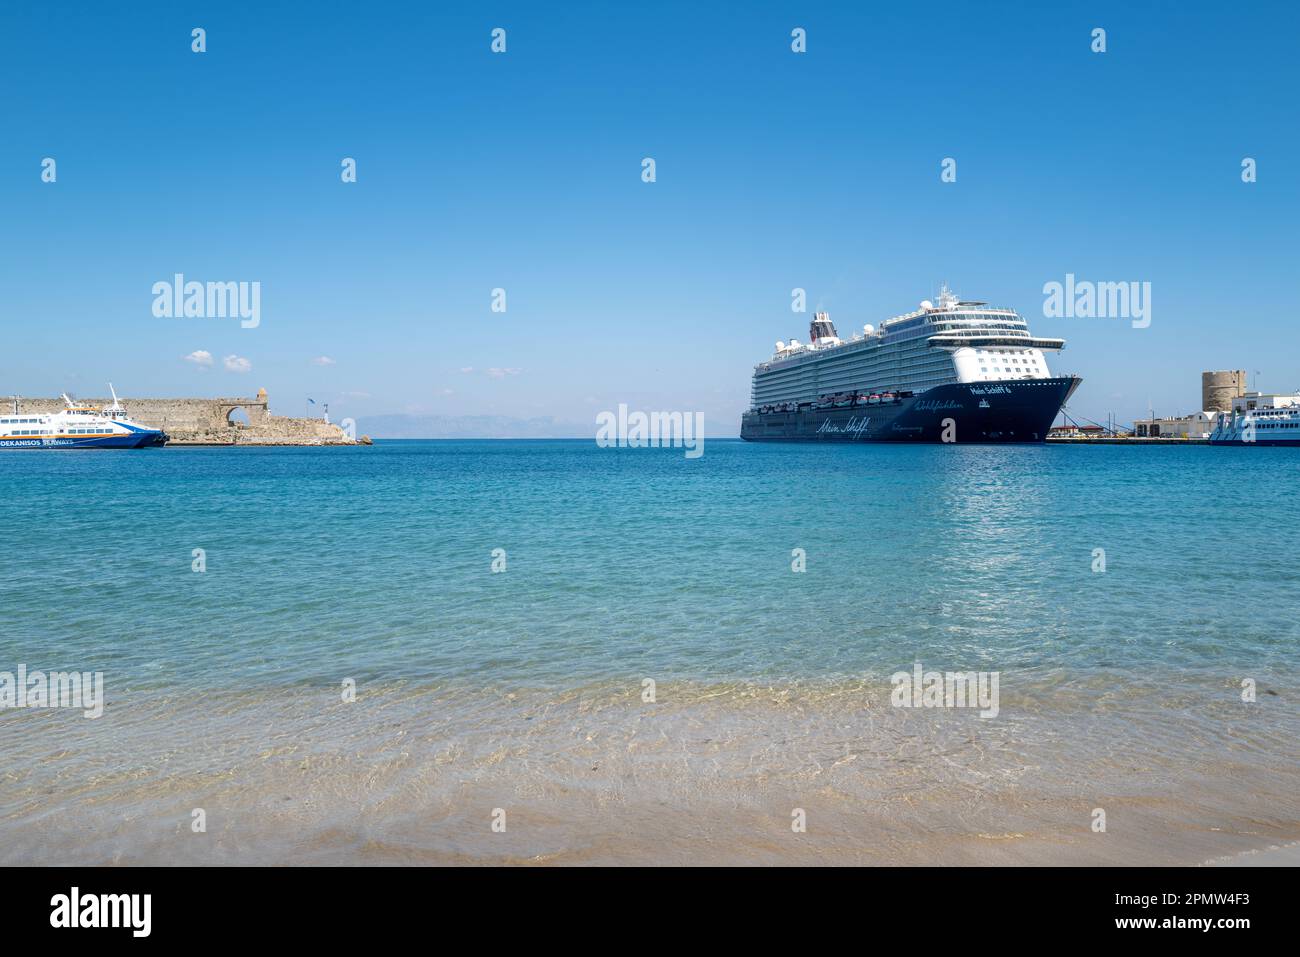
(821, 327)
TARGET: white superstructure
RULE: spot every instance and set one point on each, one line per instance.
(953, 341)
(1260, 419)
(76, 427)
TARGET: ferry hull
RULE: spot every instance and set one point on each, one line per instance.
(132, 440)
(1289, 443)
(1018, 410)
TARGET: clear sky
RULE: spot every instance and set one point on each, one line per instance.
(522, 171)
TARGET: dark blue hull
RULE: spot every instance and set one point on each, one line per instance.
(1292, 443)
(139, 439)
(1020, 410)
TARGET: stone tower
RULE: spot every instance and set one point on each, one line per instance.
(1218, 389)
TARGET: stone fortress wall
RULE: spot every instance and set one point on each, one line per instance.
(1219, 388)
(209, 421)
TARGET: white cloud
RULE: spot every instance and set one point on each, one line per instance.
(502, 373)
(238, 364)
(322, 361)
(200, 357)
(466, 370)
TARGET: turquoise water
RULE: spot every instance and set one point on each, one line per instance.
(523, 690)
(376, 562)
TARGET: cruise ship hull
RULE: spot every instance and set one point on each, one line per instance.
(1015, 410)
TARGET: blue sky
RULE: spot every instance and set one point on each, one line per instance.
(522, 171)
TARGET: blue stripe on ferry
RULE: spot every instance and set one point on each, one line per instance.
(127, 441)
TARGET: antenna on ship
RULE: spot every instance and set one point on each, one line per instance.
(116, 407)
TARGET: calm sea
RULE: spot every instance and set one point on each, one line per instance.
(1122, 594)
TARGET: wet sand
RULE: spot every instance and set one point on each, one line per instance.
(707, 774)
(1287, 855)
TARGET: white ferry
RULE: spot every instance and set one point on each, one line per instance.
(956, 371)
(77, 427)
(1258, 419)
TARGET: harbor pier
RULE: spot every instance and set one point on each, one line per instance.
(216, 421)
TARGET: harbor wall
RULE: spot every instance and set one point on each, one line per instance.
(214, 421)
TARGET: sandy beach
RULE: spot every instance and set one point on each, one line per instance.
(1286, 855)
(412, 774)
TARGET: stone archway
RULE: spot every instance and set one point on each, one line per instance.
(237, 412)
(215, 421)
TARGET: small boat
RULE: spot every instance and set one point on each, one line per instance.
(77, 427)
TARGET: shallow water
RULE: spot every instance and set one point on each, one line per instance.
(523, 690)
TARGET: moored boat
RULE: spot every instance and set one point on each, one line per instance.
(955, 371)
(77, 426)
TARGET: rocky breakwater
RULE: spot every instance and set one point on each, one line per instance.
(225, 421)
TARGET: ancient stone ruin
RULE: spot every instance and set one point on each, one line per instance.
(216, 421)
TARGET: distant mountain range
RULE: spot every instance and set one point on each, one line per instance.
(470, 427)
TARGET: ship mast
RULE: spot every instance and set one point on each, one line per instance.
(116, 407)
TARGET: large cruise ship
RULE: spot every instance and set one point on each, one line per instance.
(77, 427)
(953, 371)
